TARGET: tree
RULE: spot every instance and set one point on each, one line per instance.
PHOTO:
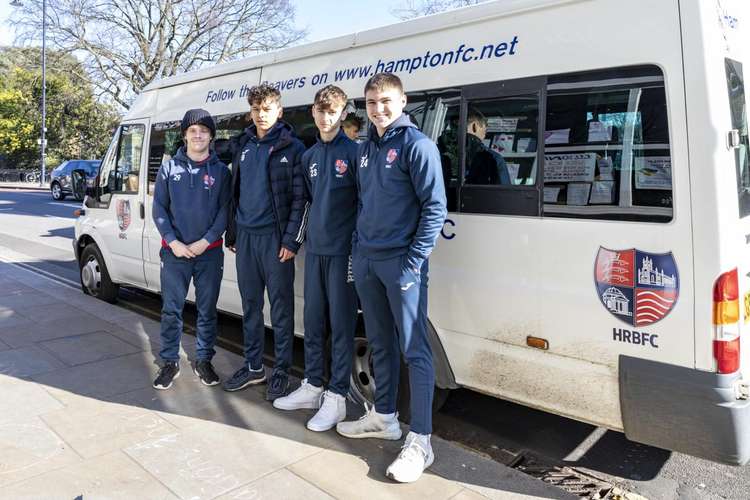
(127, 44)
(418, 8)
(78, 126)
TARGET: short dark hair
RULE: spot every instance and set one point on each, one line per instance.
(330, 96)
(260, 93)
(474, 115)
(352, 119)
(383, 81)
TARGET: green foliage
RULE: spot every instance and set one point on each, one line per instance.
(78, 125)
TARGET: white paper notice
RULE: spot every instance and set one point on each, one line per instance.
(600, 131)
(502, 124)
(523, 144)
(503, 142)
(551, 194)
(578, 193)
(653, 172)
(602, 192)
(560, 136)
(571, 167)
(605, 169)
(513, 172)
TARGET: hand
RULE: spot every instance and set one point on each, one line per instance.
(285, 254)
(232, 248)
(198, 247)
(179, 249)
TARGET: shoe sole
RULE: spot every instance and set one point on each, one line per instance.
(392, 477)
(322, 428)
(280, 406)
(376, 435)
(274, 397)
(246, 384)
(209, 384)
(163, 388)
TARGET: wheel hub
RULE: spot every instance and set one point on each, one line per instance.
(90, 275)
(362, 379)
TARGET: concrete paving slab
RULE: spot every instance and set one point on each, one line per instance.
(99, 429)
(279, 484)
(104, 378)
(4, 346)
(30, 333)
(12, 318)
(343, 475)
(87, 348)
(113, 476)
(470, 495)
(27, 361)
(23, 398)
(56, 313)
(29, 448)
(27, 299)
(210, 459)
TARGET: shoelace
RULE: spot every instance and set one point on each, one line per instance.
(276, 382)
(412, 450)
(368, 410)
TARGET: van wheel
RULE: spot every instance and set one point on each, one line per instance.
(95, 280)
(363, 383)
(56, 191)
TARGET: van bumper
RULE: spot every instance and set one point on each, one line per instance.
(684, 410)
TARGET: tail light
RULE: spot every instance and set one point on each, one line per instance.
(726, 320)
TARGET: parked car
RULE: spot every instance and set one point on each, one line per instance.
(61, 182)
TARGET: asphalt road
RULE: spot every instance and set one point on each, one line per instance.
(34, 225)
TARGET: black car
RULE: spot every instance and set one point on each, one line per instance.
(61, 181)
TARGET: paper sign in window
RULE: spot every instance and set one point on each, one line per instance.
(605, 169)
(502, 124)
(551, 194)
(600, 131)
(513, 169)
(602, 193)
(653, 172)
(578, 193)
(503, 142)
(570, 167)
(560, 136)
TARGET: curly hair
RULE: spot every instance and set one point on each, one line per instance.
(259, 93)
(329, 97)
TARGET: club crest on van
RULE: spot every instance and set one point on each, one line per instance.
(123, 214)
(639, 288)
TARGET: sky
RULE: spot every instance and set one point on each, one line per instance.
(323, 18)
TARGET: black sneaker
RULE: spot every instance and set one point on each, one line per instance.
(205, 371)
(243, 378)
(169, 371)
(278, 386)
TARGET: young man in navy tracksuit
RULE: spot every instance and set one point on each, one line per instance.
(331, 191)
(190, 208)
(265, 230)
(401, 211)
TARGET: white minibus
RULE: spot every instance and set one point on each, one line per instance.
(604, 279)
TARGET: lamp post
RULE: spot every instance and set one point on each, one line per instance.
(43, 141)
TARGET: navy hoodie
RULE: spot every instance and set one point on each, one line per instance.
(402, 205)
(331, 190)
(191, 199)
(255, 210)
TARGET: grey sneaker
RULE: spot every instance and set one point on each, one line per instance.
(245, 377)
(205, 371)
(278, 386)
(371, 425)
(169, 371)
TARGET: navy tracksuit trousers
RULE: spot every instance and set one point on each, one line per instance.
(206, 271)
(329, 288)
(258, 268)
(394, 304)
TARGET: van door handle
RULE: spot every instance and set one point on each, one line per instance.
(143, 210)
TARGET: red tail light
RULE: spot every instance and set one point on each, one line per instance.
(726, 316)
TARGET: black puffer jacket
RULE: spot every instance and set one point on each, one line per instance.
(287, 186)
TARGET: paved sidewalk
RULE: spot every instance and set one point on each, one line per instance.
(23, 185)
(79, 419)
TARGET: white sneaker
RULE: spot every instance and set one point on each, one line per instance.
(416, 455)
(305, 397)
(332, 411)
(371, 425)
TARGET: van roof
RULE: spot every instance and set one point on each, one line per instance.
(435, 22)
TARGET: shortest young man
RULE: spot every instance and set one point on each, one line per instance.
(331, 192)
(351, 126)
(191, 200)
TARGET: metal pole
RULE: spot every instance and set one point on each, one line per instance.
(44, 89)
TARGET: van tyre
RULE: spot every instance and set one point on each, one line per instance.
(95, 280)
(57, 192)
(363, 383)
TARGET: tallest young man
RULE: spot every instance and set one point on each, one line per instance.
(401, 211)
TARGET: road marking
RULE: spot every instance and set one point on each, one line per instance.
(58, 204)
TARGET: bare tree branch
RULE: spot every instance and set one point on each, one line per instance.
(418, 8)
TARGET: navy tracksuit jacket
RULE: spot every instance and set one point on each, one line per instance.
(402, 207)
(331, 192)
(191, 203)
(266, 213)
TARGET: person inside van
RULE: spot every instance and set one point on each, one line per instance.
(483, 165)
(401, 212)
(330, 188)
(265, 230)
(191, 199)
(351, 125)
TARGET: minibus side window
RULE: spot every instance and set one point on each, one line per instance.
(301, 119)
(607, 152)
(121, 165)
(736, 88)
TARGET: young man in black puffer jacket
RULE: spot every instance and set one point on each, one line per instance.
(266, 229)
